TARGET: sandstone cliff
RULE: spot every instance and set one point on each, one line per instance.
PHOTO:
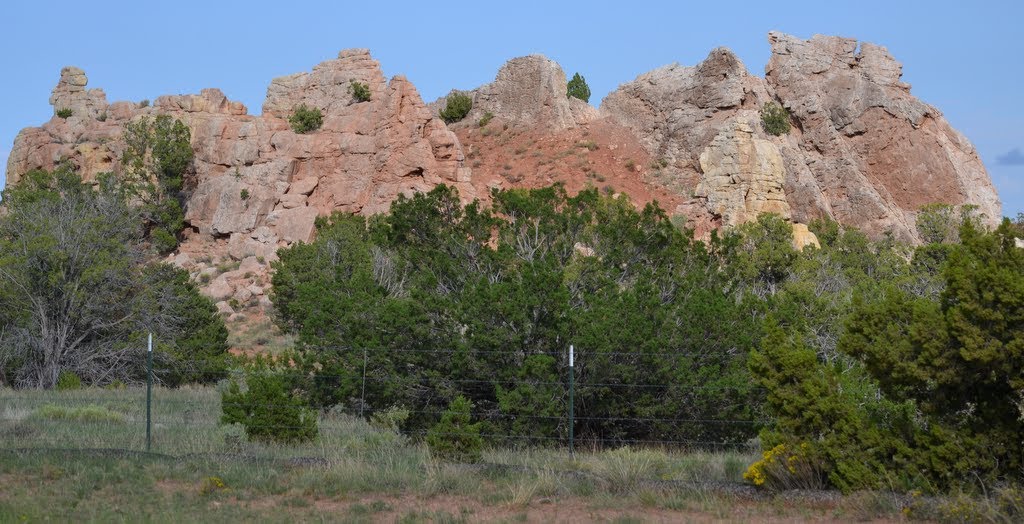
(862, 150)
(364, 155)
(869, 153)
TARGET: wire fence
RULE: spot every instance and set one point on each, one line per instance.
(189, 419)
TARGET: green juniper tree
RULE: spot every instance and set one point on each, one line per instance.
(578, 88)
(157, 155)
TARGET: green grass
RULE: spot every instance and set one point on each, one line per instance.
(80, 455)
(87, 413)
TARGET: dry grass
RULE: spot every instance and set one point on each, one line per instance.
(357, 472)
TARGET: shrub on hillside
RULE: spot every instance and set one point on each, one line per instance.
(193, 347)
(454, 438)
(360, 91)
(267, 409)
(457, 107)
(306, 119)
(64, 113)
(486, 119)
(578, 88)
(774, 118)
(157, 156)
(913, 393)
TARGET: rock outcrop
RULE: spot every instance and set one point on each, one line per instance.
(529, 91)
(743, 176)
(870, 154)
(71, 95)
(257, 185)
(862, 150)
(702, 123)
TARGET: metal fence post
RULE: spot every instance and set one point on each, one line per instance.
(572, 422)
(149, 391)
(362, 394)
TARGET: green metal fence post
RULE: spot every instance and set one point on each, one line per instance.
(149, 391)
(362, 395)
(572, 403)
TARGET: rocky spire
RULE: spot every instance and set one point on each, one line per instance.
(71, 94)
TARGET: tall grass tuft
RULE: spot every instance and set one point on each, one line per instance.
(87, 413)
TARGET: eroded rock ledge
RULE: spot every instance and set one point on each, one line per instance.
(862, 150)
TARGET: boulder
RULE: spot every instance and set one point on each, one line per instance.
(219, 289)
(242, 295)
(803, 237)
(224, 308)
(294, 225)
(304, 186)
(250, 265)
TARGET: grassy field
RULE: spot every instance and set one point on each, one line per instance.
(81, 455)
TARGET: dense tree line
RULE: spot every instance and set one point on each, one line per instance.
(918, 383)
(868, 363)
(857, 364)
(445, 300)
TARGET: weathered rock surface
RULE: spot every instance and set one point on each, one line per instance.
(743, 176)
(70, 94)
(257, 185)
(875, 152)
(531, 91)
(862, 150)
(803, 237)
(702, 124)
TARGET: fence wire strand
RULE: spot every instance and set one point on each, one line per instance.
(128, 404)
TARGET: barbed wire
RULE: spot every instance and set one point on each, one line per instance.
(413, 379)
(129, 404)
(580, 352)
(371, 411)
(585, 439)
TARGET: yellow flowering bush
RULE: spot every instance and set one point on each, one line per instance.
(786, 468)
(212, 485)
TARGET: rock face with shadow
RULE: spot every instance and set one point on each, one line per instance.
(256, 185)
(861, 150)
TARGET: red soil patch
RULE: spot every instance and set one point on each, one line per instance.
(600, 154)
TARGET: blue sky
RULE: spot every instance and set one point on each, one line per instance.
(965, 58)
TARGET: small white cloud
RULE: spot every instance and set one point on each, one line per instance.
(1013, 157)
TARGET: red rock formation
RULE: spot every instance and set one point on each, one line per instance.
(870, 154)
(863, 150)
(364, 155)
